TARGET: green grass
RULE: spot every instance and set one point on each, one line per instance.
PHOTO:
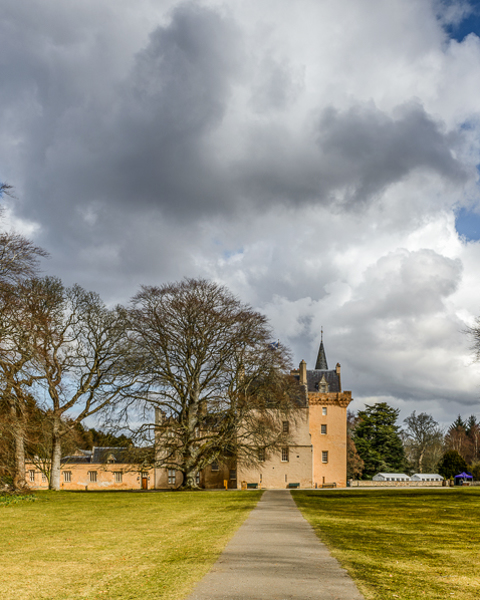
(106, 545)
(402, 544)
(9, 499)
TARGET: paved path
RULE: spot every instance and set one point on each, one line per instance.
(275, 555)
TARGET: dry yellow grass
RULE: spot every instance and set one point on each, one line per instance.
(115, 545)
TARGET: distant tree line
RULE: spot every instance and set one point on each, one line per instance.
(377, 443)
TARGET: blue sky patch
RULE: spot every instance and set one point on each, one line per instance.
(467, 224)
(471, 24)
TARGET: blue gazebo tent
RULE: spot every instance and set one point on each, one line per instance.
(464, 476)
(461, 477)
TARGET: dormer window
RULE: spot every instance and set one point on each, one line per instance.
(322, 385)
(111, 459)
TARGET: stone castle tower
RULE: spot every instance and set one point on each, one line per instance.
(327, 415)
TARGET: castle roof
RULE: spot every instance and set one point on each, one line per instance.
(321, 358)
(321, 372)
(315, 376)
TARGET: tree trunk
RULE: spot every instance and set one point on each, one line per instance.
(420, 460)
(189, 481)
(56, 455)
(19, 481)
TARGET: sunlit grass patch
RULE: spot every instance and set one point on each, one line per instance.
(9, 499)
(402, 544)
(108, 545)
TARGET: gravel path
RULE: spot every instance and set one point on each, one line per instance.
(275, 555)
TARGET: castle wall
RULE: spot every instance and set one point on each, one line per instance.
(276, 472)
(80, 478)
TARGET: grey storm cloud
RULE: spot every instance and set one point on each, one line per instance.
(364, 150)
(148, 141)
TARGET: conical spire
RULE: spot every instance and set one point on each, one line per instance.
(321, 358)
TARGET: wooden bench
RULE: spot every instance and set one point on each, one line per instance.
(293, 485)
(329, 485)
(252, 486)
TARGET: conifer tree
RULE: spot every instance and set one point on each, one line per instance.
(378, 441)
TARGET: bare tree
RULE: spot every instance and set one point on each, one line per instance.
(78, 347)
(19, 261)
(423, 441)
(17, 369)
(206, 362)
(19, 256)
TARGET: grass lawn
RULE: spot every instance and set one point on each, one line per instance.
(106, 545)
(402, 544)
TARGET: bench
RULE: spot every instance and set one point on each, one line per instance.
(293, 485)
(252, 486)
(329, 485)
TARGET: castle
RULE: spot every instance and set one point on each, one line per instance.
(316, 454)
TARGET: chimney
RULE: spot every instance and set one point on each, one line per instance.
(159, 416)
(303, 372)
(337, 370)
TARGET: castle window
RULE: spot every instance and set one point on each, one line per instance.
(197, 478)
(118, 476)
(261, 455)
(171, 477)
(67, 476)
(215, 466)
(325, 456)
(284, 454)
(92, 476)
(323, 429)
(324, 411)
(31, 475)
(233, 475)
(285, 427)
(44, 478)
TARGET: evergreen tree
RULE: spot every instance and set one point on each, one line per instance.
(378, 441)
(451, 464)
(470, 424)
(458, 440)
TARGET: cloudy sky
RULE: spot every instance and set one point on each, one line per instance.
(318, 158)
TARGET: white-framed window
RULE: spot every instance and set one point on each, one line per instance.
(261, 455)
(284, 454)
(324, 456)
(44, 478)
(285, 427)
(233, 475)
(171, 477)
(324, 410)
(31, 476)
(215, 466)
(67, 476)
(118, 476)
(197, 478)
(323, 429)
(92, 476)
